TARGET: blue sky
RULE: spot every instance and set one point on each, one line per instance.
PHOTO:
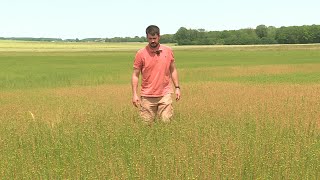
(121, 18)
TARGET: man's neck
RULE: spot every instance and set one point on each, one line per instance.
(154, 48)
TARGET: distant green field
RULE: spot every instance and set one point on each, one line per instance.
(63, 69)
(247, 112)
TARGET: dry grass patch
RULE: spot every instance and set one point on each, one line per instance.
(75, 104)
(236, 102)
(25, 46)
(227, 130)
(272, 47)
(236, 71)
(28, 46)
(230, 101)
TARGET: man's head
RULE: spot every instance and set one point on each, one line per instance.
(153, 35)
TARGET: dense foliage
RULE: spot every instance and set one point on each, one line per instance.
(260, 35)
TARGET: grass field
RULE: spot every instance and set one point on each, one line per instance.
(247, 112)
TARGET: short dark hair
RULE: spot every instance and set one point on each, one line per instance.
(153, 30)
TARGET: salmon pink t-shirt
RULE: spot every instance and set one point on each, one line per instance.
(155, 70)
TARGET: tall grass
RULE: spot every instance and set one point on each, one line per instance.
(225, 126)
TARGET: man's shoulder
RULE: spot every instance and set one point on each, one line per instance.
(142, 50)
(164, 47)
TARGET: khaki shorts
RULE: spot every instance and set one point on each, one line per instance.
(151, 107)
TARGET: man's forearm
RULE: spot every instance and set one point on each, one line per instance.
(174, 76)
(134, 84)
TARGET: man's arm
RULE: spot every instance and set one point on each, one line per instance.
(174, 76)
(134, 84)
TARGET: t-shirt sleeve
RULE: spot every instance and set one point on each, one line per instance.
(171, 56)
(137, 64)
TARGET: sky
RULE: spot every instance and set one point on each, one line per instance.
(124, 18)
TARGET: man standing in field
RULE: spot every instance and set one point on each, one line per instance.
(156, 64)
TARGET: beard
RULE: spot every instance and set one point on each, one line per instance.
(153, 44)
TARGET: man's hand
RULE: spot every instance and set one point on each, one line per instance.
(135, 100)
(177, 94)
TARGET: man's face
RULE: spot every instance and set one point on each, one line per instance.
(153, 40)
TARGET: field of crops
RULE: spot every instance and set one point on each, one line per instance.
(246, 112)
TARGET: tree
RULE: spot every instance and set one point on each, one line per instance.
(281, 35)
(314, 33)
(186, 37)
(181, 35)
(261, 31)
(271, 32)
(167, 38)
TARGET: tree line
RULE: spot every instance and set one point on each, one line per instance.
(262, 34)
